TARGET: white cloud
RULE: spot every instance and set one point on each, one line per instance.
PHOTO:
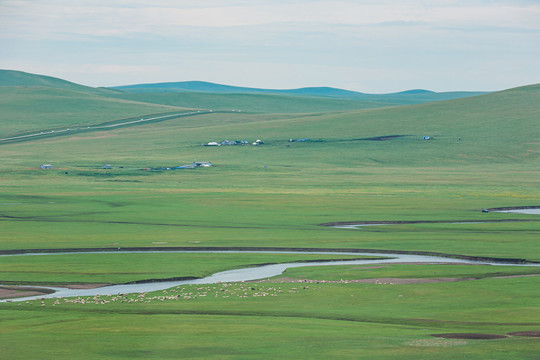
(42, 19)
(275, 43)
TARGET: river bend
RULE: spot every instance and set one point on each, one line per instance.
(244, 274)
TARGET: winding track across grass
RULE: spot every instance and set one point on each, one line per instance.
(100, 127)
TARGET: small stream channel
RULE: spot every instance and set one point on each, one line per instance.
(520, 210)
(244, 274)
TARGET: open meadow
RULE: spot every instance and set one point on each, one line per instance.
(357, 164)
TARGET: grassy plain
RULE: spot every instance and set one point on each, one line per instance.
(316, 321)
(409, 271)
(483, 154)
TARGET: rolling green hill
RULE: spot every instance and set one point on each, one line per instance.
(30, 102)
(496, 127)
(34, 108)
(20, 78)
(205, 95)
(260, 103)
(493, 128)
(359, 165)
(34, 103)
(283, 103)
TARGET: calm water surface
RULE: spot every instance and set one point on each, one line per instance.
(245, 274)
(522, 211)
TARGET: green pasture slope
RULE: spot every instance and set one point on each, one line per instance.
(283, 103)
(360, 165)
(31, 103)
(24, 79)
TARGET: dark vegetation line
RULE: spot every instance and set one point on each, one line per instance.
(41, 219)
(61, 219)
(381, 138)
(255, 249)
(405, 322)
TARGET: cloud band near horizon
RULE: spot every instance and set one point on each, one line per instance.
(373, 46)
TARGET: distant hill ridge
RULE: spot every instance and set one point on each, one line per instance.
(20, 78)
(203, 86)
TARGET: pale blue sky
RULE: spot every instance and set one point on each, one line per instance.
(373, 46)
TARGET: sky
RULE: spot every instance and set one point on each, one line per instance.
(372, 46)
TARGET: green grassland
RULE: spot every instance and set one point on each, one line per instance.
(483, 153)
(409, 271)
(314, 321)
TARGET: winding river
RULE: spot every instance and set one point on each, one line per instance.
(244, 274)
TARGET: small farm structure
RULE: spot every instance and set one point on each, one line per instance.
(193, 165)
(232, 143)
(45, 166)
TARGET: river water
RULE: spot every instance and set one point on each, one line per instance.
(358, 226)
(245, 274)
(521, 211)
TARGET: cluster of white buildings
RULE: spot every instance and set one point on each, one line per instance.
(234, 142)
